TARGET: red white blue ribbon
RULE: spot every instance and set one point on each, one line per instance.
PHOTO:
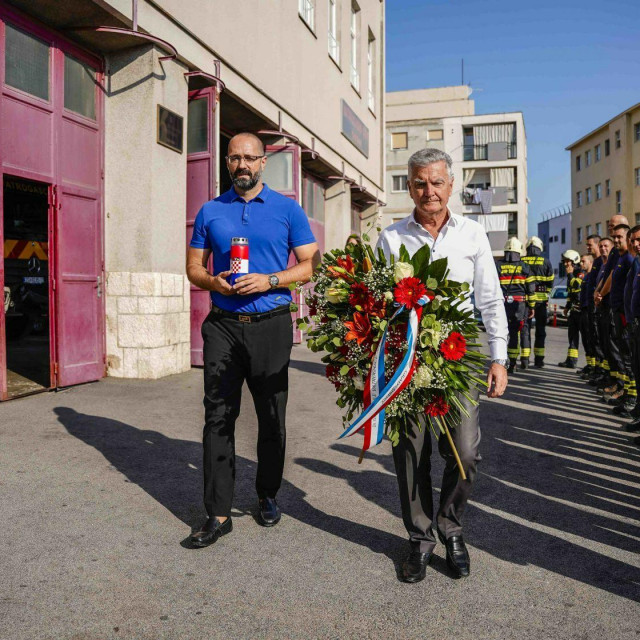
(377, 392)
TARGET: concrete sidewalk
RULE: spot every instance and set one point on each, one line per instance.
(101, 485)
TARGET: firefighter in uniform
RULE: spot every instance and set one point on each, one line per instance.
(518, 292)
(542, 279)
(571, 260)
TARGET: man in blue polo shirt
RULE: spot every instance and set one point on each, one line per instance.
(248, 335)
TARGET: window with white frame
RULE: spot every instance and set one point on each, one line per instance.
(588, 230)
(599, 191)
(618, 201)
(587, 157)
(307, 11)
(334, 30)
(371, 72)
(599, 229)
(579, 231)
(637, 173)
(399, 183)
(588, 195)
(607, 187)
(618, 139)
(598, 152)
(355, 35)
(636, 132)
(578, 162)
(579, 198)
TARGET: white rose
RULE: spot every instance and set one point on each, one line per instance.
(358, 382)
(422, 377)
(388, 296)
(402, 270)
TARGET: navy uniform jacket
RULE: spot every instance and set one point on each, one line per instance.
(618, 281)
(628, 289)
(612, 263)
(589, 282)
(635, 292)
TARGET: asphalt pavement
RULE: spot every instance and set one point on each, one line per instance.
(100, 487)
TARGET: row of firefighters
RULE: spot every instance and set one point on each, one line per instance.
(603, 309)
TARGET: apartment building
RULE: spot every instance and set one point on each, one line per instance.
(489, 154)
(115, 116)
(605, 175)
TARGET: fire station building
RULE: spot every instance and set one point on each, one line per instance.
(115, 116)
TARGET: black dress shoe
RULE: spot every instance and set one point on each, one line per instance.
(210, 531)
(457, 555)
(414, 568)
(632, 427)
(269, 512)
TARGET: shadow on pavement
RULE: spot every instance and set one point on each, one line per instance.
(169, 470)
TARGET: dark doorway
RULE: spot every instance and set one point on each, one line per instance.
(26, 285)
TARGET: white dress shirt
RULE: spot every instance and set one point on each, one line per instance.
(465, 244)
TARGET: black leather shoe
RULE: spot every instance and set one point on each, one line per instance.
(210, 531)
(524, 363)
(632, 427)
(414, 568)
(457, 555)
(269, 512)
(635, 412)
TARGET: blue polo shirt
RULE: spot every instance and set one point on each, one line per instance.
(273, 224)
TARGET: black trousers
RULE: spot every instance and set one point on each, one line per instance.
(259, 353)
(585, 334)
(412, 459)
(634, 342)
(618, 355)
(540, 313)
(604, 333)
(516, 314)
(594, 330)
(620, 351)
(574, 333)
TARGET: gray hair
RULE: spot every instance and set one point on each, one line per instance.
(428, 156)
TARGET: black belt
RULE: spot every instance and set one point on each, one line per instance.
(251, 317)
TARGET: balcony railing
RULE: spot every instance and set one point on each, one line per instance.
(481, 151)
(501, 196)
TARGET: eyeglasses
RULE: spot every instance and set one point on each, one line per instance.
(239, 159)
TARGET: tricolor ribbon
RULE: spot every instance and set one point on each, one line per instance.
(378, 393)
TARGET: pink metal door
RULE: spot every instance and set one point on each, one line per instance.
(56, 138)
(201, 187)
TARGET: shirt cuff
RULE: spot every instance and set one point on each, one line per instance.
(498, 349)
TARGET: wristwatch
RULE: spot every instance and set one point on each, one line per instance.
(274, 281)
(500, 361)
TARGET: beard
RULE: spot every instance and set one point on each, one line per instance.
(244, 180)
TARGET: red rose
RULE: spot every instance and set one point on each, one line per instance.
(437, 407)
(454, 347)
(359, 329)
(332, 373)
(409, 291)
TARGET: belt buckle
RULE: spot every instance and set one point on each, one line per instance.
(244, 319)
(509, 299)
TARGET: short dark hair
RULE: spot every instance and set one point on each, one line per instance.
(634, 229)
(587, 255)
(606, 239)
(621, 226)
(594, 236)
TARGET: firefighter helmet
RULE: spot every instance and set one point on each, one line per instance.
(513, 244)
(572, 255)
(535, 242)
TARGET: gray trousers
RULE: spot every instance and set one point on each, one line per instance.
(412, 458)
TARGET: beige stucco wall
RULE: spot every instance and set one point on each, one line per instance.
(273, 62)
(619, 167)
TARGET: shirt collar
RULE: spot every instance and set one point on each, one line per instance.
(452, 221)
(261, 197)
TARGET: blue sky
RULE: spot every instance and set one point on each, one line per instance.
(568, 65)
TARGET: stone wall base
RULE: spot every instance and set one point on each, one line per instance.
(148, 324)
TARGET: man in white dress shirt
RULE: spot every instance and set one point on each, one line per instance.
(465, 244)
